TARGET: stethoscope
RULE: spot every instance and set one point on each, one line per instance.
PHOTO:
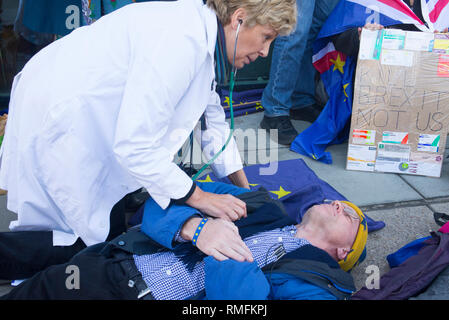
(231, 109)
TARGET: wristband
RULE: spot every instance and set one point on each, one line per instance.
(198, 231)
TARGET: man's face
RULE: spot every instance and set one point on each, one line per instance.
(252, 43)
(338, 222)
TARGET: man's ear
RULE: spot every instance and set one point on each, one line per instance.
(339, 206)
(342, 253)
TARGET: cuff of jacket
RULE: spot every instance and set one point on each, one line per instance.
(186, 197)
(161, 225)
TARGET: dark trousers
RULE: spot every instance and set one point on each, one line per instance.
(89, 275)
(24, 253)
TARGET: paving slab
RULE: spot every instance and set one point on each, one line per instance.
(402, 225)
(364, 188)
(6, 216)
(247, 128)
(441, 207)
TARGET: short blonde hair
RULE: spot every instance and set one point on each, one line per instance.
(279, 14)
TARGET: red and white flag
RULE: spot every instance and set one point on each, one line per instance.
(395, 9)
(322, 60)
(436, 13)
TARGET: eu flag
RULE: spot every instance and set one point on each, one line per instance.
(337, 72)
(293, 183)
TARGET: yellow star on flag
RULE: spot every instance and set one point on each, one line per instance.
(253, 184)
(338, 64)
(227, 101)
(344, 90)
(281, 193)
(208, 179)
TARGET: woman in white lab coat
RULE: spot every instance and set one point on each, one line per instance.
(101, 113)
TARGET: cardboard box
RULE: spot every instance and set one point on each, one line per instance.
(400, 114)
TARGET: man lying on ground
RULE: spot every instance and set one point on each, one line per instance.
(279, 258)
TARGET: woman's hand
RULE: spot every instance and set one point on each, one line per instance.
(444, 31)
(224, 206)
(239, 179)
(218, 238)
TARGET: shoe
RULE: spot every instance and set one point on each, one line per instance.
(286, 132)
(309, 113)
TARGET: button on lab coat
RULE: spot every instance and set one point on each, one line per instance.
(102, 112)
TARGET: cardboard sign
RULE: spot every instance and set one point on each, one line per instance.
(400, 114)
(443, 66)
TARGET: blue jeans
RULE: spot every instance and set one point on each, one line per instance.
(292, 75)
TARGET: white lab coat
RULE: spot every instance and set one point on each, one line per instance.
(102, 112)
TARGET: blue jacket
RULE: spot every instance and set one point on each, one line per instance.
(306, 273)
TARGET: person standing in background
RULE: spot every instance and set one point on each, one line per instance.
(290, 92)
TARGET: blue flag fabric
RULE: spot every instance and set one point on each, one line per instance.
(347, 15)
(337, 73)
(243, 102)
(409, 250)
(294, 184)
(328, 128)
